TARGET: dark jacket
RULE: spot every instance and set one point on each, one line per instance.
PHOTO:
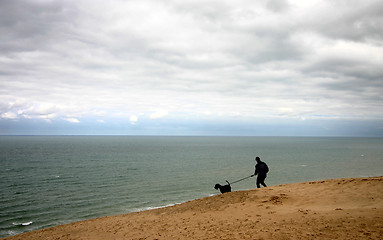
(261, 168)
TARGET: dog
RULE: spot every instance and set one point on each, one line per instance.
(223, 189)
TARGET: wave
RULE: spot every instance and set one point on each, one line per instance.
(22, 224)
(151, 208)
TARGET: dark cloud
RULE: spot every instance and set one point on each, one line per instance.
(362, 23)
(33, 25)
(278, 5)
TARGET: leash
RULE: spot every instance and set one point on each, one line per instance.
(241, 179)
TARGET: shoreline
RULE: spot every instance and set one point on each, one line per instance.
(345, 208)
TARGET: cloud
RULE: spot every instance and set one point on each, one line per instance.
(361, 24)
(244, 59)
(72, 120)
(278, 5)
(133, 119)
(159, 114)
(9, 115)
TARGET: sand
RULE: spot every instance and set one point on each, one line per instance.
(330, 209)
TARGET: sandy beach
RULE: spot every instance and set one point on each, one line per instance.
(331, 209)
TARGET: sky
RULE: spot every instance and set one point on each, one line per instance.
(191, 67)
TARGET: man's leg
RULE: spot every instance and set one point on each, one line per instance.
(261, 180)
(263, 183)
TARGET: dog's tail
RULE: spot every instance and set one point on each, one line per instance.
(228, 182)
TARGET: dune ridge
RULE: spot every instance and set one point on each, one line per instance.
(349, 208)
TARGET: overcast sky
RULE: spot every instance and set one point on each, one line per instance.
(191, 67)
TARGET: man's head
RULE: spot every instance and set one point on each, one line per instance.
(257, 159)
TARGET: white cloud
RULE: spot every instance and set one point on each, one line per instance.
(133, 119)
(159, 114)
(99, 113)
(9, 115)
(72, 120)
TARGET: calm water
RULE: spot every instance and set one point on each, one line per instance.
(51, 180)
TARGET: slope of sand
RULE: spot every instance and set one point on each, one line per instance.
(330, 209)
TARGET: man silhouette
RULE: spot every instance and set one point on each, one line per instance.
(261, 169)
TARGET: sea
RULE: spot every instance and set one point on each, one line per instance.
(52, 180)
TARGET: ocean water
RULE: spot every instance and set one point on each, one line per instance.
(51, 180)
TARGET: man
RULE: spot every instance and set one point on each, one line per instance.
(261, 169)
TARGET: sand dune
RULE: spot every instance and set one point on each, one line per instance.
(330, 209)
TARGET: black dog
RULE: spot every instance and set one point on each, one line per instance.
(223, 189)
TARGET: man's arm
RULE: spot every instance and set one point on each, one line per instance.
(256, 170)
